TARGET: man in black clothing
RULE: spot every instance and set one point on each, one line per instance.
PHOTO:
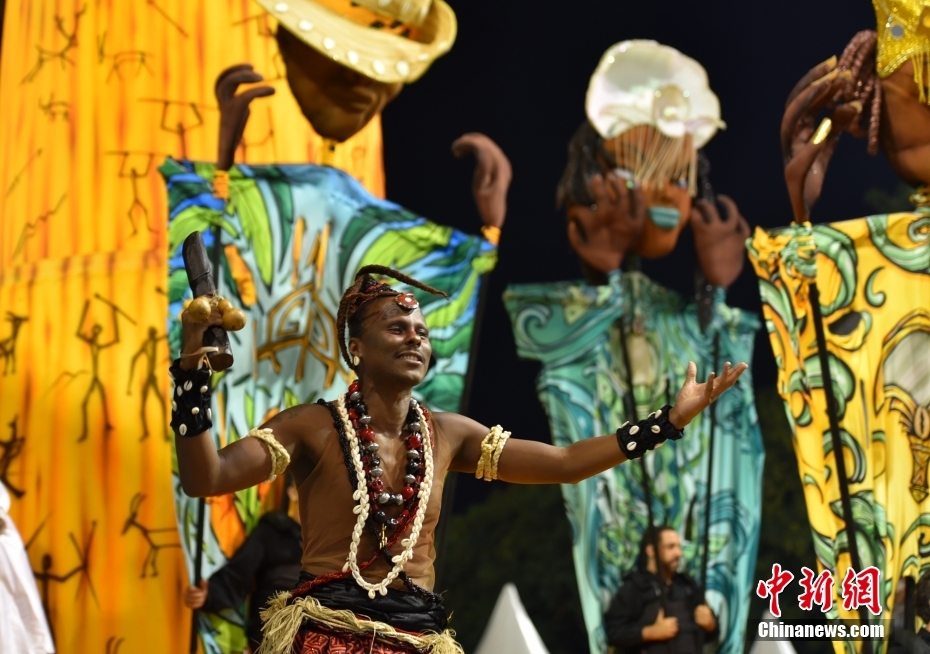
(903, 640)
(659, 612)
(266, 563)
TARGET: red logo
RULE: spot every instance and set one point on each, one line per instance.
(817, 590)
(861, 589)
(773, 587)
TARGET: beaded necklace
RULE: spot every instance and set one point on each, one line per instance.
(369, 485)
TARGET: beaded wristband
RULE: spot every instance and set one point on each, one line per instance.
(190, 401)
(636, 440)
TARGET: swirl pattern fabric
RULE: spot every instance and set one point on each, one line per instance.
(873, 278)
(572, 331)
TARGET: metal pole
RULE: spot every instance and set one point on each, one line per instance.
(833, 416)
(710, 472)
(198, 561)
(201, 503)
(448, 492)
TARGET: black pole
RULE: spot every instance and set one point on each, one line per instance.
(833, 416)
(201, 503)
(910, 603)
(632, 417)
(710, 472)
(198, 561)
(448, 491)
(632, 265)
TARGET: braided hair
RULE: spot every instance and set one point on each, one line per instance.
(586, 159)
(865, 86)
(366, 289)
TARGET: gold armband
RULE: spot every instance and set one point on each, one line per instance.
(491, 234)
(280, 459)
(491, 448)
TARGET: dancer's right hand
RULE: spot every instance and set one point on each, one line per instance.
(196, 596)
(192, 332)
(602, 233)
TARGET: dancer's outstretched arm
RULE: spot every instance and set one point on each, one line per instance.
(531, 462)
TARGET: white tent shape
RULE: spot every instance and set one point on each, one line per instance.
(771, 646)
(510, 629)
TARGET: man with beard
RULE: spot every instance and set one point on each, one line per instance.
(659, 609)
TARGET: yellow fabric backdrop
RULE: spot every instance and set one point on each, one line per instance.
(873, 276)
(94, 96)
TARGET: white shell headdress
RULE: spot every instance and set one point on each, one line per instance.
(647, 83)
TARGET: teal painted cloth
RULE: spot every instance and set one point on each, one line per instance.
(572, 330)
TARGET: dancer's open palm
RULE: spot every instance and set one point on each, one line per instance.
(694, 397)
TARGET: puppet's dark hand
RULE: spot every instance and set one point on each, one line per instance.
(234, 109)
(808, 144)
(602, 233)
(492, 176)
(720, 242)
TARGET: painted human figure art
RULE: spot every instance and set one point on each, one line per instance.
(149, 352)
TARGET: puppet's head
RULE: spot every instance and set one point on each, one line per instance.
(346, 59)
(653, 109)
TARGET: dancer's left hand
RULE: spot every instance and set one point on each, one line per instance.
(694, 398)
(493, 174)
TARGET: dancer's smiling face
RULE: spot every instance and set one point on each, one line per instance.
(391, 342)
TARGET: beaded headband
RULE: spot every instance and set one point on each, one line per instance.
(367, 289)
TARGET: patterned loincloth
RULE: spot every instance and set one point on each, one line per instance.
(315, 640)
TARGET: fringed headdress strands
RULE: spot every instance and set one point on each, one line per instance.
(651, 159)
(366, 289)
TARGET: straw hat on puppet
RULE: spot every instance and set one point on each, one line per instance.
(642, 82)
(387, 40)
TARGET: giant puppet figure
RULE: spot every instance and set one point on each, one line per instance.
(288, 238)
(847, 306)
(614, 346)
